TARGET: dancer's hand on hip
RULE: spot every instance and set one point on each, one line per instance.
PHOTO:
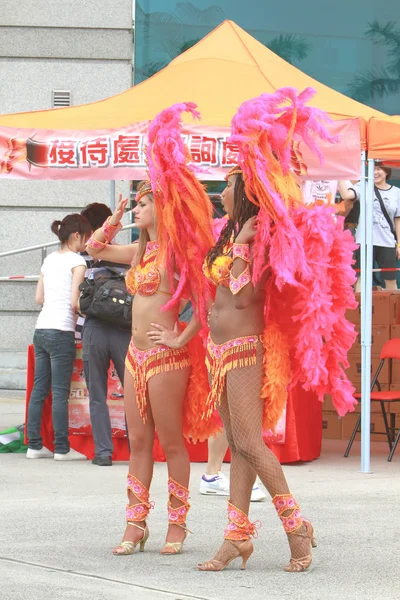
(161, 336)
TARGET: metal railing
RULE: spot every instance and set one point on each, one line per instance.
(43, 248)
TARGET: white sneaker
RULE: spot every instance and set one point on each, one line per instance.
(42, 453)
(216, 485)
(257, 495)
(71, 455)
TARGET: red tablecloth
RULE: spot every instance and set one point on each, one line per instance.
(303, 430)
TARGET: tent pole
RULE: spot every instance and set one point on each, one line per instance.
(112, 195)
(367, 188)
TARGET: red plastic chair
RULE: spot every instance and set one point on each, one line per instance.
(389, 351)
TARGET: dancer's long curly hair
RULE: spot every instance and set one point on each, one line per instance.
(243, 210)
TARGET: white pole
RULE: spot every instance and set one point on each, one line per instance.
(112, 196)
(366, 314)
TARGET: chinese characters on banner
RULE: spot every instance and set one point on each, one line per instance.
(123, 150)
(128, 150)
(103, 155)
(120, 154)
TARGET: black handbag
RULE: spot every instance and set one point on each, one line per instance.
(385, 212)
(104, 296)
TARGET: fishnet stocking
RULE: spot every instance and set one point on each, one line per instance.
(240, 471)
(241, 409)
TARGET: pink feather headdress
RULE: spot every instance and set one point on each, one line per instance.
(184, 211)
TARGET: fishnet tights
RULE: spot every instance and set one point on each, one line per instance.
(241, 410)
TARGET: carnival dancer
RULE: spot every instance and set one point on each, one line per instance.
(165, 389)
(278, 316)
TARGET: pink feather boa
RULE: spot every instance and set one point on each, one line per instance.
(309, 254)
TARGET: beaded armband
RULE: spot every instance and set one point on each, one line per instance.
(241, 251)
(96, 244)
(236, 284)
(110, 231)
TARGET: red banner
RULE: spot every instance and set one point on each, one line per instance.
(120, 154)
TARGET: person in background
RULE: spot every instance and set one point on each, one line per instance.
(216, 483)
(58, 291)
(101, 342)
(320, 192)
(386, 249)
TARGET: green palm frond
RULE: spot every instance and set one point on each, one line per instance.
(166, 33)
(290, 47)
(384, 35)
(186, 45)
(188, 14)
(387, 35)
(374, 83)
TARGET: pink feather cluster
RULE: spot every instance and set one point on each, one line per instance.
(263, 129)
(308, 253)
(184, 211)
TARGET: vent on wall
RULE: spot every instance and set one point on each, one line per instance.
(61, 98)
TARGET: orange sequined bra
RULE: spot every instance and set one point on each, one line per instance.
(220, 271)
(145, 278)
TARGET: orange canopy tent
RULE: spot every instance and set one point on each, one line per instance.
(384, 139)
(221, 71)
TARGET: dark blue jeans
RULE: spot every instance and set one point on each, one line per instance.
(54, 363)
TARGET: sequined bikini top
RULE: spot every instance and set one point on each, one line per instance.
(145, 278)
(220, 270)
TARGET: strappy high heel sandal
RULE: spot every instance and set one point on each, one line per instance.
(136, 513)
(295, 525)
(130, 547)
(177, 515)
(237, 533)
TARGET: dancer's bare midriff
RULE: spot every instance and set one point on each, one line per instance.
(147, 310)
(227, 322)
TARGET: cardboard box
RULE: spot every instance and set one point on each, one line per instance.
(394, 308)
(394, 331)
(354, 316)
(331, 425)
(395, 377)
(385, 309)
(328, 404)
(380, 335)
(381, 303)
(354, 371)
(377, 425)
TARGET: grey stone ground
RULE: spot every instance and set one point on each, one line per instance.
(59, 521)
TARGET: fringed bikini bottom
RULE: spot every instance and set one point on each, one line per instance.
(143, 364)
(222, 358)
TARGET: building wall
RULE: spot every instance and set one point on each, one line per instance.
(85, 47)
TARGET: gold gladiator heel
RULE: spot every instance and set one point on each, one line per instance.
(237, 532)
(295, 525)
(136, 513)
(177, 515)
(176, 547)
(128, 547)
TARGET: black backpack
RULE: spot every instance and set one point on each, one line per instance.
(104, 296)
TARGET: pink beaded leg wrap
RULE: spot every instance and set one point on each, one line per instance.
(286, 502)
(177, 515)
(239, 526)
(138, 512)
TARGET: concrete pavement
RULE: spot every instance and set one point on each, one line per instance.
(59, 521)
